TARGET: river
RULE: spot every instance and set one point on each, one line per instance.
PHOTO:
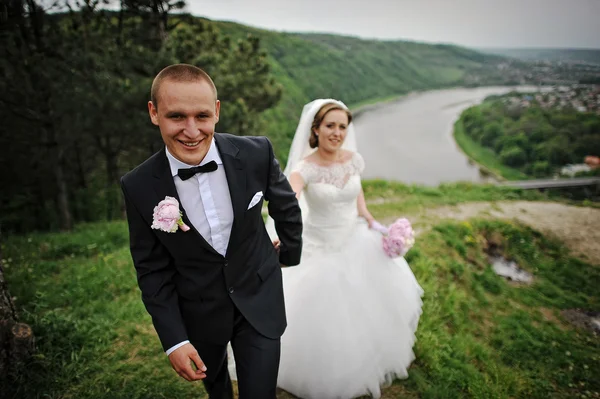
(410, 139)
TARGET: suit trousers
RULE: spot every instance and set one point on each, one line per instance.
(256, 360)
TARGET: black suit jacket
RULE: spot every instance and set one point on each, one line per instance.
(189, 289)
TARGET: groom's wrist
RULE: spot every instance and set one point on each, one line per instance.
(175, 347)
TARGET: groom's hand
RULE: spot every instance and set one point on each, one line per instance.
(182, 359)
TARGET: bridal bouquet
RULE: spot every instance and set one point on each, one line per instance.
(398, 238)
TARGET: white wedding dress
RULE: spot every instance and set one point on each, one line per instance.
(352, 311)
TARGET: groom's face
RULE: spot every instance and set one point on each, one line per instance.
(186, 113)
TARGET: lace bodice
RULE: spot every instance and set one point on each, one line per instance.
(331, 193)
(336, 174)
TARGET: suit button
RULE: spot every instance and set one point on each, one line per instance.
(231, 290)
(226, 264)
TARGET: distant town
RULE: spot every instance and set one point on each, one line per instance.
(550, 72)
(582, 74)
(581, 98)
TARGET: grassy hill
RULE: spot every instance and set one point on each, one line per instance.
(354, 70)
(479, 336)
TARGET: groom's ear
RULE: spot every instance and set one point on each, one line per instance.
(217, 110)
(153, 113)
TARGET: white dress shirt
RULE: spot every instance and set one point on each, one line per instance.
(207, 203)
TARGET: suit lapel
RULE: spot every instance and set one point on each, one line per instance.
(236, 180)
(165, 186)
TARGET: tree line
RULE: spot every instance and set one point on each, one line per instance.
(535, 140)
(76, 80)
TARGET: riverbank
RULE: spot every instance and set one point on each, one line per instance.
(523, 137)
(375, 103)
(409, 138)
(485, 159)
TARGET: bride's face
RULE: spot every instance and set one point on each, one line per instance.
(332, 130)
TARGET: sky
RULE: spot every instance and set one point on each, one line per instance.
(470, 23)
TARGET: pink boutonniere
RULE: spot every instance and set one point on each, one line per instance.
(167, 216)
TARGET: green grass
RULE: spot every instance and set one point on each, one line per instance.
(482, 337)
(94, 338)
(387, 199)
(485, 157)
(478, 336)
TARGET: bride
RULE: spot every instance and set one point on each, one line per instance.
(352, 311)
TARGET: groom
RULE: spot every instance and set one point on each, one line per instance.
(214, 277)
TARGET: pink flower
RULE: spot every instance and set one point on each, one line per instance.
(400, 238)
(167, 216)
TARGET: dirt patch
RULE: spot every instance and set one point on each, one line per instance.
(577, 227)
(548, 315)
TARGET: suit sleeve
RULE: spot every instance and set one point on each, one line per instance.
(155, 272)
(285, 211)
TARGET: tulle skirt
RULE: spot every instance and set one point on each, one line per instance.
(352, 315)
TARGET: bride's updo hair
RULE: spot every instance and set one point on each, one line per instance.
(313, 141)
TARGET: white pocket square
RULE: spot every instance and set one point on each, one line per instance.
(255, 200)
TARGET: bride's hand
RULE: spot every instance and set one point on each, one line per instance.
(375, 225)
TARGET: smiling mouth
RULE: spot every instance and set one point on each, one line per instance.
(190, 144)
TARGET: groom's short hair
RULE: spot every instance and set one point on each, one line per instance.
(180, 73)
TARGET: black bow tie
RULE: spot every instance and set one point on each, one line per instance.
(185, 174)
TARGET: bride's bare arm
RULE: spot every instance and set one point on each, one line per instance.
(362, 207)
(297, 183)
